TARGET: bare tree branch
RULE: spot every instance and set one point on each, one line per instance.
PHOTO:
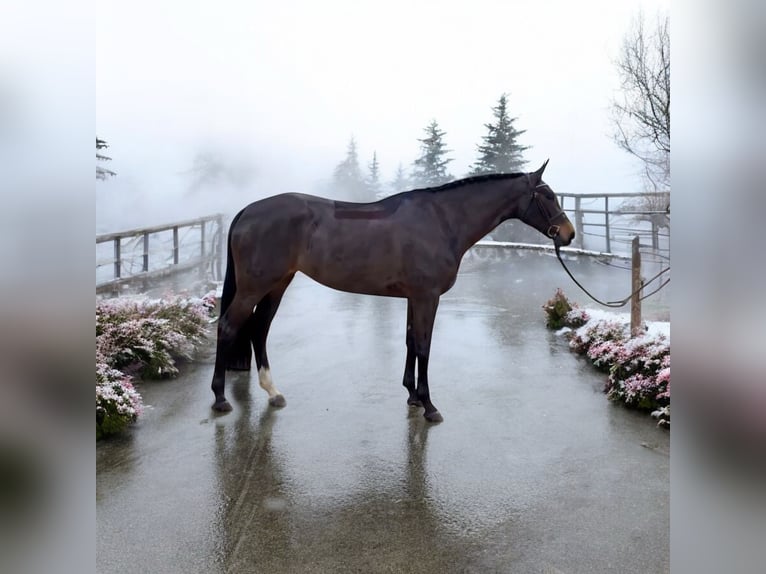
(642, 114)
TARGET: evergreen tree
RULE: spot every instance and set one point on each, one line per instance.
(500, 152)
(373, 179)
(400, 182)
(101, 172)
(348, 179)
(431, 166)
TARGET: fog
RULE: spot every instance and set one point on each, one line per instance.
(276, 92)
(272, 92)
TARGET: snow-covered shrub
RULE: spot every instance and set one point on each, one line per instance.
(576, 317)
(662, 415)
(117, 401)
(600, 331)
(634, 377)
(638, 367)
(563, 313)
(145, 338)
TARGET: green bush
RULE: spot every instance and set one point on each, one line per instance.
(560, 312)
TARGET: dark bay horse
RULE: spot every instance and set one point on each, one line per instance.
(408, 245)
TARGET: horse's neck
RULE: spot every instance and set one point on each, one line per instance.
(476, 209)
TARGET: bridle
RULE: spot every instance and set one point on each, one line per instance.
(553, 229)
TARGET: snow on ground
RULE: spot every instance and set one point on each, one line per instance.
(659, 328)
(654, 328)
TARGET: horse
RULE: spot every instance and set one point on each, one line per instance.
(408, 245)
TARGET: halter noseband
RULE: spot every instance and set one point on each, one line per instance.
(553, 230)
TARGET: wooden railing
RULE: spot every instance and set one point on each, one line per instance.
(151, 252)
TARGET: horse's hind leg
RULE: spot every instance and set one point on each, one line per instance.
(240, 355)
(261, 322)
(229, 325)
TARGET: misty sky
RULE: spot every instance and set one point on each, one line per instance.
(278, 88)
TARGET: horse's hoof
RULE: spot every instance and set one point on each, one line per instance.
(434, 417)
(414, 403)
(222, 406)
(278, 401)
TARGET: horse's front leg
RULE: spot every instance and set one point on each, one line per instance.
(409, 365)
(423, 316)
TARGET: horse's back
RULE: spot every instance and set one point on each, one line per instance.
(280, 205)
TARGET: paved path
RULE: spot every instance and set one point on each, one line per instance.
(533, 470)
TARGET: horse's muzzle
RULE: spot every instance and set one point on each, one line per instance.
(562, 235)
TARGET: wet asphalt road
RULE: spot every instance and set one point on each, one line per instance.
(533, 470)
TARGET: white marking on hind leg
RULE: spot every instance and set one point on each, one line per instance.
(264, 379)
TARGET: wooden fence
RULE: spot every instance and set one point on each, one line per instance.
(137, 255)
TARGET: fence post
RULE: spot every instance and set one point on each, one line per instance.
(578, 223)
(606, 224)
(116, 257)
(146, 253)
(655, 235)
(635, 288)
(221, 248)
(175, 245)
(202, 239)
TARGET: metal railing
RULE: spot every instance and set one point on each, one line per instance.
(603, 223)
(606, 221)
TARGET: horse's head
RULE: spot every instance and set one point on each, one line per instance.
(542, 211)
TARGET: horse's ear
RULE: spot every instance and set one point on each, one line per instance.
(537, 176)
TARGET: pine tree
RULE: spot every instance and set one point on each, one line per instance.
(500, 152)
(373, 179)
(400, 182)
(431, 166)
(347, 178)
(101, 172)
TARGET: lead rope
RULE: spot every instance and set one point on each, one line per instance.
(621, 302)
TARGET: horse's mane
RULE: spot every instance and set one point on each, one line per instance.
(397, 197)
(469, 180)
(472, 179)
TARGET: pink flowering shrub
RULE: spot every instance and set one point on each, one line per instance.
(141, 338)
(117, 401)
(147, 336)
(634, 375)
(576, 317)
(638, 367)
(595, 332)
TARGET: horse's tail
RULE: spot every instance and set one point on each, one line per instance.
(240, 355)
(230, 279)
